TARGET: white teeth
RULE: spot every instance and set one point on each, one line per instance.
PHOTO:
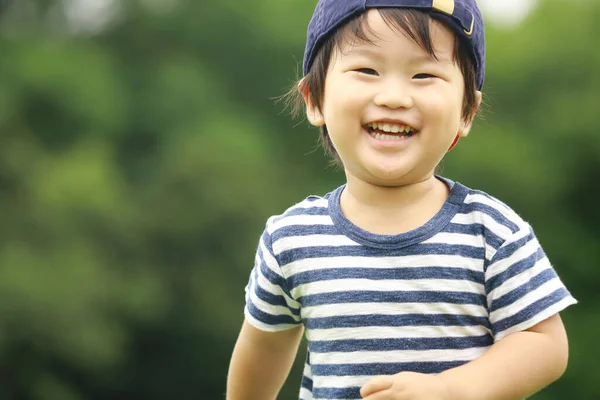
(392, 128)
(380, 136)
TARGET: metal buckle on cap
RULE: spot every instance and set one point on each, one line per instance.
(448, 7)
(445, 6)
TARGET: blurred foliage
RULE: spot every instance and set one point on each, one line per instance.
(141, 154)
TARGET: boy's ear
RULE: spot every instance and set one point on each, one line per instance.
(468, 124)
(314, 116)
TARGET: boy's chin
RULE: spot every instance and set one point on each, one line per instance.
(390, 177)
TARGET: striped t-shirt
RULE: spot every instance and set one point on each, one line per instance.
(424, 301)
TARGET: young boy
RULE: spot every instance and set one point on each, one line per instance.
(407, 285)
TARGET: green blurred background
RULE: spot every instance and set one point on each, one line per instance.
(141, 152)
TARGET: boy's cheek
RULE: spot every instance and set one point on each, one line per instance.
(441, 106)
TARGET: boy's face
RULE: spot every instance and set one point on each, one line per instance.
(396, 83)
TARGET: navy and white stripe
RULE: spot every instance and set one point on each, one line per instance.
(424, 301)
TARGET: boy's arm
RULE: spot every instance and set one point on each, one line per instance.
(515, 367)
(261, 362)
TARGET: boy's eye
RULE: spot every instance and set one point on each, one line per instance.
(368, 71)
(423, 76)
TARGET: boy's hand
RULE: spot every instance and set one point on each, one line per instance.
(406, 386)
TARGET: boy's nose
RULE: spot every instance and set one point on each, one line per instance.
(394, 95)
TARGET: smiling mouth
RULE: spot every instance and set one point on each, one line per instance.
(388, 131)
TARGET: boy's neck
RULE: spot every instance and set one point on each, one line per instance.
(392, 210)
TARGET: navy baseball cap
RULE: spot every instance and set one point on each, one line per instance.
(464, 16)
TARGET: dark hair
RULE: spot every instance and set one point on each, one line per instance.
(415, 24)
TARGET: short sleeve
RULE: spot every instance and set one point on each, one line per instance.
(522, 287)
(269, 304)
